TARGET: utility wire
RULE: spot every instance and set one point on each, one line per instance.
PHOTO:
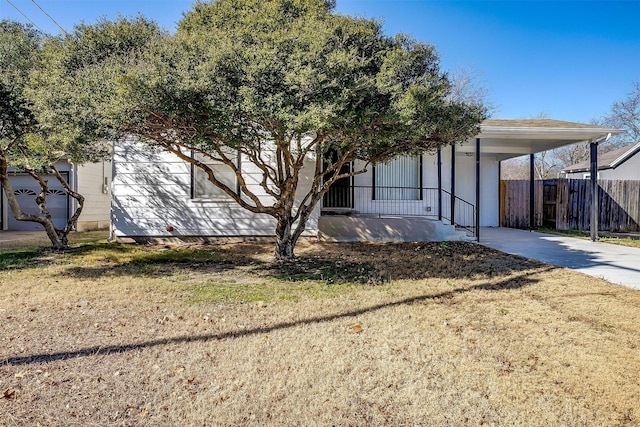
(27, 18)
(54, 21)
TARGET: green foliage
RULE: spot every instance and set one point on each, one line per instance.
(279, 81)
(75, 90)
(36, 134)
(18, 54)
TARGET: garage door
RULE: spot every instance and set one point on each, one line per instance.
(26, 189)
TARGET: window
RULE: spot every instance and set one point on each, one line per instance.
(398, 179)
(588, 175)
(202, 188)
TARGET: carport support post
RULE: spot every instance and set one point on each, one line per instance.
(477, 189)
(594, 190)
(453, 184)
(532, 192)
(439, 184)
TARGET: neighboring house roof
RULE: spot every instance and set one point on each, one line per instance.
(607, 160)
(512, 138)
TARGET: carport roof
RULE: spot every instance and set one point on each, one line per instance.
(512, 138)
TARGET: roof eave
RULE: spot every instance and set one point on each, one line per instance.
(517, 132)
(630, 152)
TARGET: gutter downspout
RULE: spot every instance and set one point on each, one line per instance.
(113, 175)
(74, 187)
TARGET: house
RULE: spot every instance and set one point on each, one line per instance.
(621, 164)
(92, 180)
(157, 195)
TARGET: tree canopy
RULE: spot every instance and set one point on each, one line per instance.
(36, 133)
(281, 83)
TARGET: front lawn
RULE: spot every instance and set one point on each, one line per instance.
(350, 334)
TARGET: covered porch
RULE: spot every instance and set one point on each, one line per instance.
(446, 195)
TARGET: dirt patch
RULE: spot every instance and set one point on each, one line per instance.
(349, 334)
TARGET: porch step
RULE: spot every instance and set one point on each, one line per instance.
(365, 228)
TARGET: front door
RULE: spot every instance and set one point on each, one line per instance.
(340, 194)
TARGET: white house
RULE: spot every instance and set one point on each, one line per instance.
(92, 180)
(157, 195)
(621, 164)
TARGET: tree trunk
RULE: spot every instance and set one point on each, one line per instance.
(285, 241)
(59, 238)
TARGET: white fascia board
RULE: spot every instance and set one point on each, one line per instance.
(565, 134)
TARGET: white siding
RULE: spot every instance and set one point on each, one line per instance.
(94, 182)
(152, 190)
(489, 191)
(628, 170)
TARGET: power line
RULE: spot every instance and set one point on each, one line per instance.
(26, 17)
(54, 21)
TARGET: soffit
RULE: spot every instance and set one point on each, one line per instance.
(512, 138)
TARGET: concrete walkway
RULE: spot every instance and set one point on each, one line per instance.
(614, 263)
(7, 236)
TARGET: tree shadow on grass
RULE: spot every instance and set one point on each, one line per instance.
(24, 259)
(144, 261)
(328, 263)
(508, 284)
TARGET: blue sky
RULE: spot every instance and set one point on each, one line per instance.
(568, 60)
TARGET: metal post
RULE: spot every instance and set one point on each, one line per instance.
(532, 212)
(453, 184)
(499, 193)
(478, 189)
(439, 184)
(594, 190)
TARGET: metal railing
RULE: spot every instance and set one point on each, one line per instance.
(400, 201)
(464, 213)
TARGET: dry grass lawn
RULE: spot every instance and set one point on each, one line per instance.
(434, 334)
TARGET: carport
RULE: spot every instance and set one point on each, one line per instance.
(505, 139)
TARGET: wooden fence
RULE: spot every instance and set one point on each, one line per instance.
(566, 204)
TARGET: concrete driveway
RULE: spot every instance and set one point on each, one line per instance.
(614, 263)
(7, 236)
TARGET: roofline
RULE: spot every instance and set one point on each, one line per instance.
(630, 152)
(549, 132)
(611, 165)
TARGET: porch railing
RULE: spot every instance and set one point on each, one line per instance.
(464, 212)
(400, 201)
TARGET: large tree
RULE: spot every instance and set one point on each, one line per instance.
(625, 114)
(25, 146)
(60, 93)
(283, 83)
